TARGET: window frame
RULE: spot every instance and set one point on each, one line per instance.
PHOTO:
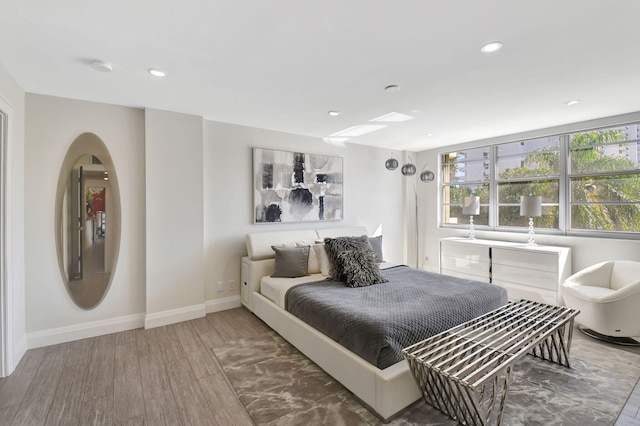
(469, 183)
(564, 187)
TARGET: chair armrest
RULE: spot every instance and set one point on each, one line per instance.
(628, 292)
(598, 275)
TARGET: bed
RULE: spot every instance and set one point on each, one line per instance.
(385, 391)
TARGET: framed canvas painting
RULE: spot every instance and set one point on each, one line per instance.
(296, 187)
(94, 201)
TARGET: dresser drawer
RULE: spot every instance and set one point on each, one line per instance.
(467, 266)
(529, 277)
(465, 250)
(459, 274)
(528, 259)
(517, 292)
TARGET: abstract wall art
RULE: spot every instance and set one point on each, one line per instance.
(94, 201)
(296, 187)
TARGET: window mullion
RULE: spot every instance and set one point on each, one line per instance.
(564, 197)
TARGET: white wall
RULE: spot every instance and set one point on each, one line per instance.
(585, 251)
(52, 124)
(12, 97)
(373, 195)
(186, 196)
(174, 217)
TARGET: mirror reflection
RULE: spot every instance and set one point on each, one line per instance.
(88, 223)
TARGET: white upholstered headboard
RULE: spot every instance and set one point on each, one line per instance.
(259, 243)
(351, 231)
(260, 259)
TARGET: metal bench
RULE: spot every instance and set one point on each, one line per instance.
(465, 371)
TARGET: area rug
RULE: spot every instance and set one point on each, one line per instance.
(280, 386)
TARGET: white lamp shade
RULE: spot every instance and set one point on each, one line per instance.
(531, 205)
(471, 205)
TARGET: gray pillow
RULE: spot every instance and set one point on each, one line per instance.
(291, 262)
(376, 245)
(361, 268)
(335, 246)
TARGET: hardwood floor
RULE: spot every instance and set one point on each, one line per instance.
(162, 376)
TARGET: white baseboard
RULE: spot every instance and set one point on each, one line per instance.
(173, 316)
(85, 330)
(222, 304)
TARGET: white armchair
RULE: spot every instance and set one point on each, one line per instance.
(608, 297)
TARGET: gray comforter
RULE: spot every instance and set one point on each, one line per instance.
(378, 321)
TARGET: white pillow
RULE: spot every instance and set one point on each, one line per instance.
(323, 259)
(314, 263)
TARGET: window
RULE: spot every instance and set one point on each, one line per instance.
(465, 173)
(589, 182)
(604, 179)
(530, 167)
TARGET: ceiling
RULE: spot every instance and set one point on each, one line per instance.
(282, 65)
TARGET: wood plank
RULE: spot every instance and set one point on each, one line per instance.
(256, 323)
(223, 327)
(160, 406)
(212, 338)
(242, 323)
(124, 337)
(66, 406)
(78, 352)
(14, 388)
(192, 405)
(147, 345)
(201, 325)
(97, 412)
(188, 336)
(99, 382)
(224, 403)
(204, 363)
(39, 396)
(169, 342)
(134, 421)
(128, 401)
(201, 358)
(7, 414)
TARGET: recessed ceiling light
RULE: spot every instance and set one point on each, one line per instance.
(101, 66)
(491, 47)
(335, 141)
(393, 117)
(392, 88)
(572, 102)
(157, 72)
(334, 113)
(359, 130)
(430, 134)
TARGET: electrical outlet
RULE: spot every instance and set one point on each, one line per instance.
(220, 285)
(232, 284)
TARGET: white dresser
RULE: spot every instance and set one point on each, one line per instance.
(534, 273)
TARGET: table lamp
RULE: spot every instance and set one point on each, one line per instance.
(531, 206)
(471, 207)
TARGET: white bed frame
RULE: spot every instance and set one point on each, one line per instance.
(385, 392)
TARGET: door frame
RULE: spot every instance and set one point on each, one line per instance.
(6, 293)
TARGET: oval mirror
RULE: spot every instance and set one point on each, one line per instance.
(87, 218)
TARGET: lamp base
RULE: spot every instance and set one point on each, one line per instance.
(532, 235)
(472, 235)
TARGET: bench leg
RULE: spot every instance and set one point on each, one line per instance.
(556, 346)
(459, 401)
